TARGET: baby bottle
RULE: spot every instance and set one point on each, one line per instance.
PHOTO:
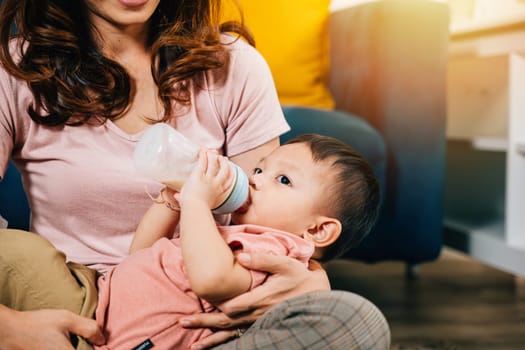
(165, 155)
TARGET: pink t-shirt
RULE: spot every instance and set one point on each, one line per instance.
(143, 298)
(84, 193)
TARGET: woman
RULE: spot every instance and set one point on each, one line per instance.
(77, 87)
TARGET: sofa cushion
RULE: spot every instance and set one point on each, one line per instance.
(292, 35)
(13, 202)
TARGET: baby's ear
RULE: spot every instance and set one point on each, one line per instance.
(325, 231)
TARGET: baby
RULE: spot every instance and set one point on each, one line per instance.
(312, 198)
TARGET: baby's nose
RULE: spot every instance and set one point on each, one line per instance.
(255, 181)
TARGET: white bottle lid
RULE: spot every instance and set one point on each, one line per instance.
(239, 194)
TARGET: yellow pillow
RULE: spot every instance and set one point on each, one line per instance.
(292, 35)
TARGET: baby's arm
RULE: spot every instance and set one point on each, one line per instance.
(159, 221)
(212, 270)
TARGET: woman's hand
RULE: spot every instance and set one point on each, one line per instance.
(288, 278)
(45, 329)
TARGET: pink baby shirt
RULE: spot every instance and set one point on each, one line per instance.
(142, 299)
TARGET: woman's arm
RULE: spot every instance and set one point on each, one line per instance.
(248, 160)
(289, 278)
(212, 269)
(159, 221)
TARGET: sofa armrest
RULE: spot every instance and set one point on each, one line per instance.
(388, 65)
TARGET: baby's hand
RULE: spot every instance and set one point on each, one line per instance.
(209, 181)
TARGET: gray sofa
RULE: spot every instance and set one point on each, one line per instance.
(388, 72)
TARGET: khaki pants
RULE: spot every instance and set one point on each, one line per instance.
(34, 275)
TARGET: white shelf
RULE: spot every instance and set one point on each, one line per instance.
(485, 242)
(472, 26)
(496, 144)
(521, 148)
(485, 197)
(515, 181)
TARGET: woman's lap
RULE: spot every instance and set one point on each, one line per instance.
(322, 320)
(36, 276)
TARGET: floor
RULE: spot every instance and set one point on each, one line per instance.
(453, 303)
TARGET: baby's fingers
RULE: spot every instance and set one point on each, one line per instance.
(224, 175)
(213, 166)
(202, 162)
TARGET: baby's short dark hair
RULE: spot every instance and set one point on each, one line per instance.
(353, 198)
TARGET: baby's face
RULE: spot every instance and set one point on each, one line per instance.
(287, 190)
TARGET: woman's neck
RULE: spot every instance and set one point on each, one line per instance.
(128, 46)
(123, 44)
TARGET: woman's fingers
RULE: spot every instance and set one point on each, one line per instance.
(286, 266)
(86, 328)
(47, 330)
(217, 320)
(253, 303)
(226, 327)
(288, 278)
(269, 263)
(215, 338)
(260, 299)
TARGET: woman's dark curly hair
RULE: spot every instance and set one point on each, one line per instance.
(72, 81)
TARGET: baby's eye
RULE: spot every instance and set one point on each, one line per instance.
(284, 180)
(257, 170)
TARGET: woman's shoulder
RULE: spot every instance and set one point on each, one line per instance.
(243, 55)
(17, 47)
(15, 99)
(236, 43)
(8, 82)
(16, 91)
(245, 67)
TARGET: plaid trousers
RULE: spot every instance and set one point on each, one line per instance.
(318, 321)
(34, 275)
